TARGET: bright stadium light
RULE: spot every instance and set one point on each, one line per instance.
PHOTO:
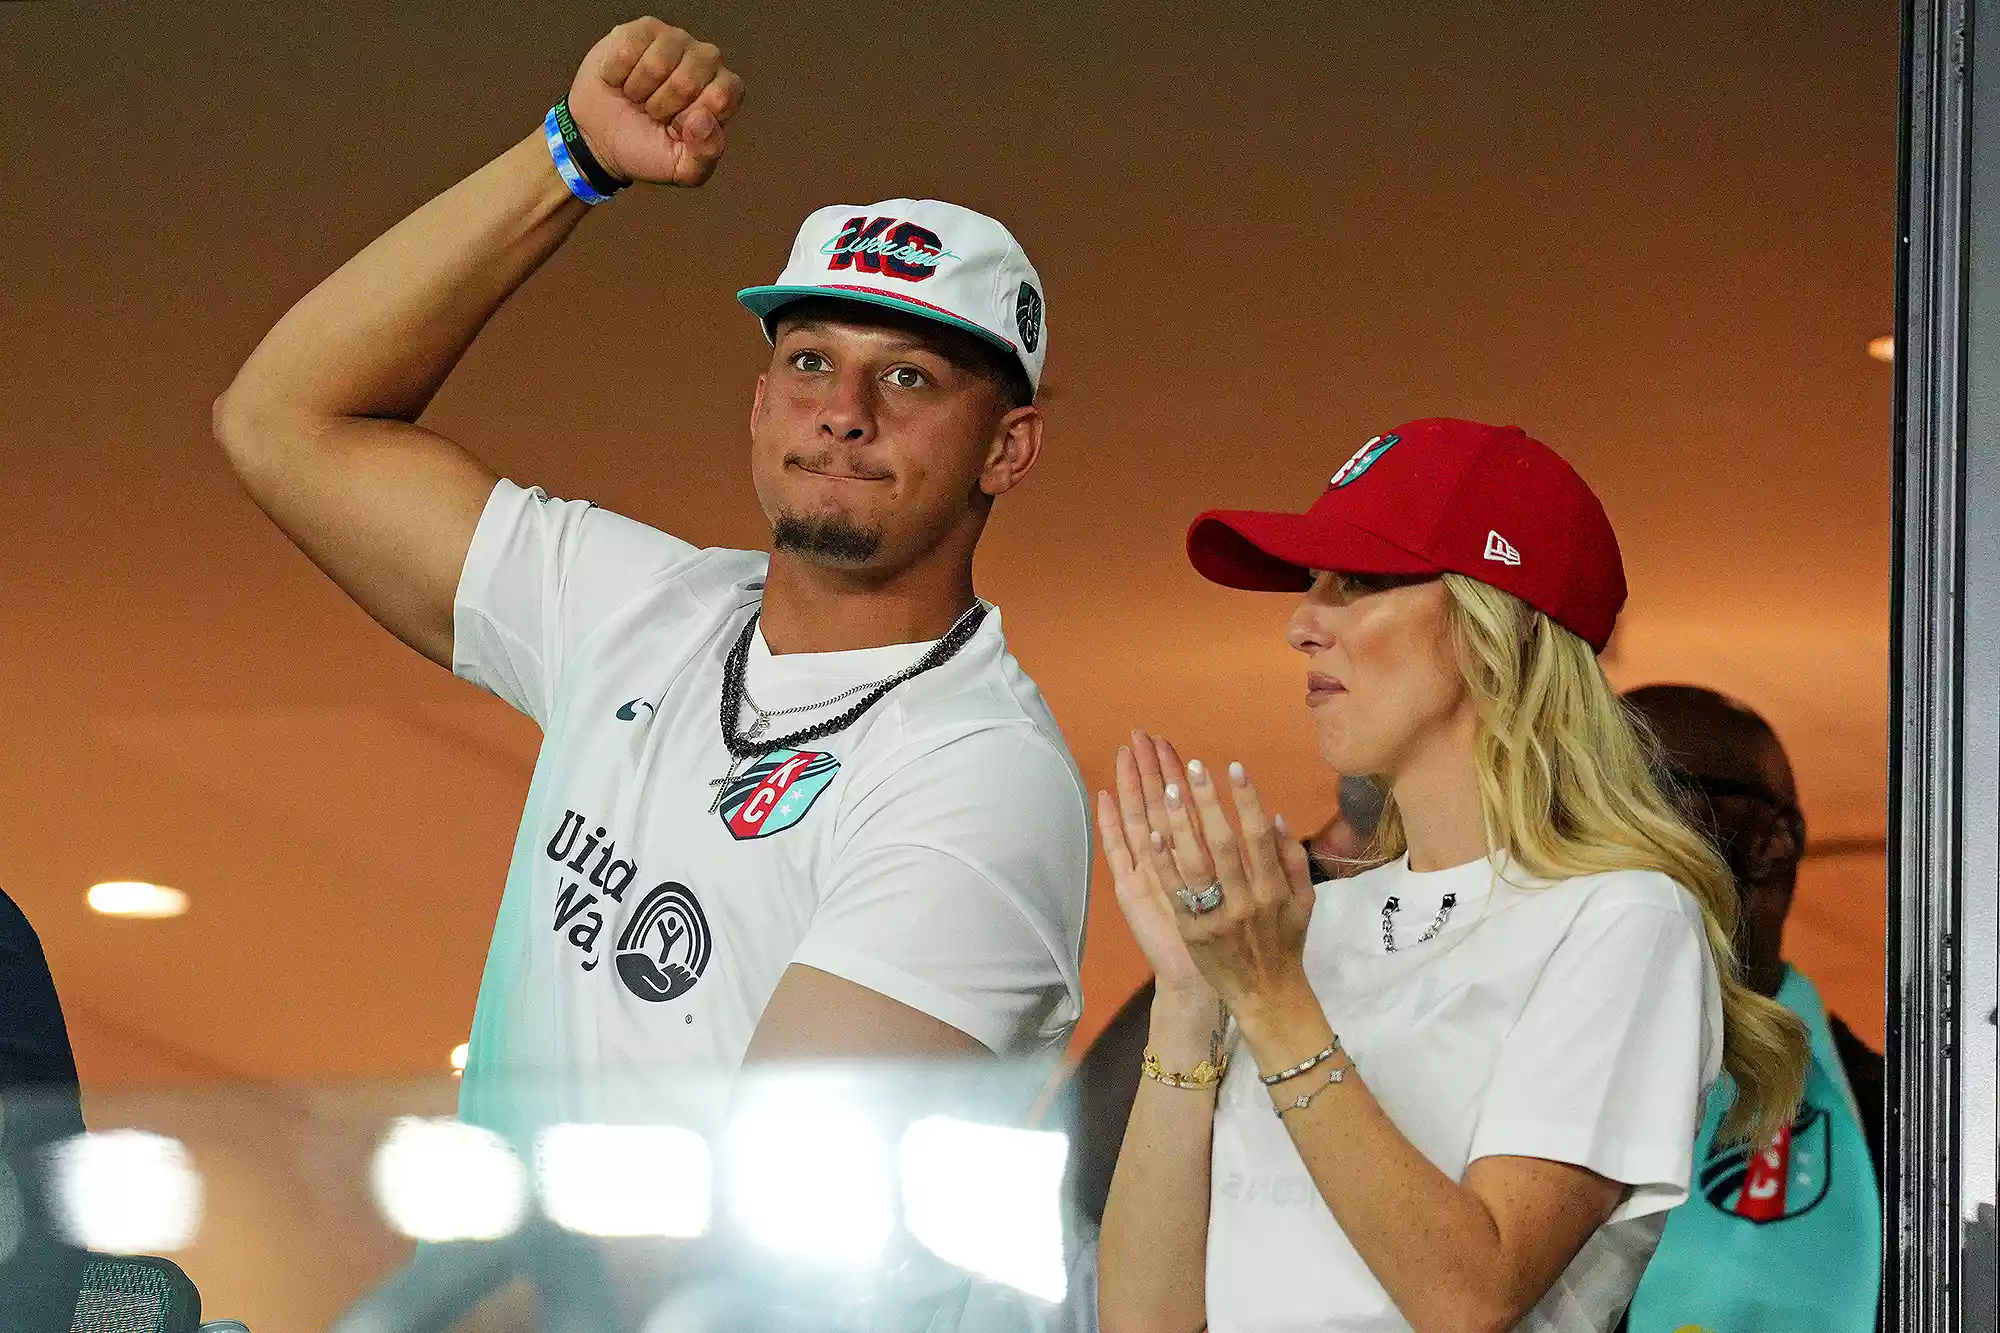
(459, 1055)
(624, 1180)
(988, 1199)
(126, 1191)
(136, 899)
(809, 1175)
(438, 1179)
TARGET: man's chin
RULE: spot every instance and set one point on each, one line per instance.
(826, 538)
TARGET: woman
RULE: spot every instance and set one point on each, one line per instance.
(1460, 1090)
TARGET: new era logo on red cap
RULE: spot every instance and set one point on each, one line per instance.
(1500, 550)
(1441, 495)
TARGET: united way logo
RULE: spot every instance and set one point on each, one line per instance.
(776, 793)
(1364, 458)
(665, 946)
(1785, 1179)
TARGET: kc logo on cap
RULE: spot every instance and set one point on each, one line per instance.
(927, 257)
(887, 245)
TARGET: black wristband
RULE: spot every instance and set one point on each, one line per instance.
(593, 171)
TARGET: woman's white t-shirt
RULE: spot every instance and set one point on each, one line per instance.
(1577, 1020)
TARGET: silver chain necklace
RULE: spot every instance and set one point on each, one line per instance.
(1394, 905)
(757, 728)
(761, 724)
(749, 744)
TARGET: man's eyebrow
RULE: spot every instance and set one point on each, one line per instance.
(896, 337)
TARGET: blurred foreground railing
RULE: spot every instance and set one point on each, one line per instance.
(808, 1199)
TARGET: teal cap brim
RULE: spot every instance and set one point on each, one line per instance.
(764, 302)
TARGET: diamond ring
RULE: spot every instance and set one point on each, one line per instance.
(1206, 900)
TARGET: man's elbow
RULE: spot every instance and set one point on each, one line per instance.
(251, 431)
(233, 421)
(1469, 1311)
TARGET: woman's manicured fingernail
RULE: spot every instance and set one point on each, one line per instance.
(1174, 795)
(1238, 776)
(1159, 843)
(1197, 773)
(1284, 831)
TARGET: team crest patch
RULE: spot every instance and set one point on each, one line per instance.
(1028, 316)
(776, 792)
(1364, 458)
(1786, 1179)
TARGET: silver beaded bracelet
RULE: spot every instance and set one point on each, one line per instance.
(1273, 1080)
(1302, 1102)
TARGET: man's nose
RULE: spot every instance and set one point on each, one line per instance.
(847, 413)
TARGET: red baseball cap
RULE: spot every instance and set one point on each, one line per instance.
(1430, 497)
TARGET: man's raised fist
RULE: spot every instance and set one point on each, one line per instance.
(653, 103)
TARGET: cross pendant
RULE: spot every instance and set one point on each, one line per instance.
(736, 762)
(722, 784)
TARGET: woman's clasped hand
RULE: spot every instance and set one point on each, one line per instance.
(1218, 906)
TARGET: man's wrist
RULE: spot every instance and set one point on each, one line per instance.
(579, 168)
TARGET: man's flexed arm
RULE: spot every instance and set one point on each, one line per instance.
(320, 423)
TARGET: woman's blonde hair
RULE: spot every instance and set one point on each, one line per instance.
(1569, 785)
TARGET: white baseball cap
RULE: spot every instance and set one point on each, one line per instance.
(930, 258)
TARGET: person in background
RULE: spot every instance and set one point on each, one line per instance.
(1788, 1237)
(40, 1105)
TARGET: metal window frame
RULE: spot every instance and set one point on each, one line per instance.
(1944, 806)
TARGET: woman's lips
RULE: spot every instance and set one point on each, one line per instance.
(1321, 688)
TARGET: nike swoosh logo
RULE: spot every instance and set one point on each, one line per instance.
(626, 714)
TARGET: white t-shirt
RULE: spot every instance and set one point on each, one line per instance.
(936, 851)
(1578, 1021)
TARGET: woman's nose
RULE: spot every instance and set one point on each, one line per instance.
(1308, 630)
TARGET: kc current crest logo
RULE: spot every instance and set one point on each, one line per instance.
(776, 793)
(664, 948)
(1364, 458)
(1783, 1180)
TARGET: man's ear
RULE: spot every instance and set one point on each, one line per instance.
(1014, 450)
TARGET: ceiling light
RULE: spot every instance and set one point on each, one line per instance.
(459, 1053)
(1882, 348)
(134, 898)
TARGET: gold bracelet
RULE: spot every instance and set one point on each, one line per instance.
(1204, 1075)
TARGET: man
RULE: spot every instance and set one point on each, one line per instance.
(40, 1105)
(787, 806)
(1787, 1237)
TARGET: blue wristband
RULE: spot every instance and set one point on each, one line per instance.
(566, 165)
